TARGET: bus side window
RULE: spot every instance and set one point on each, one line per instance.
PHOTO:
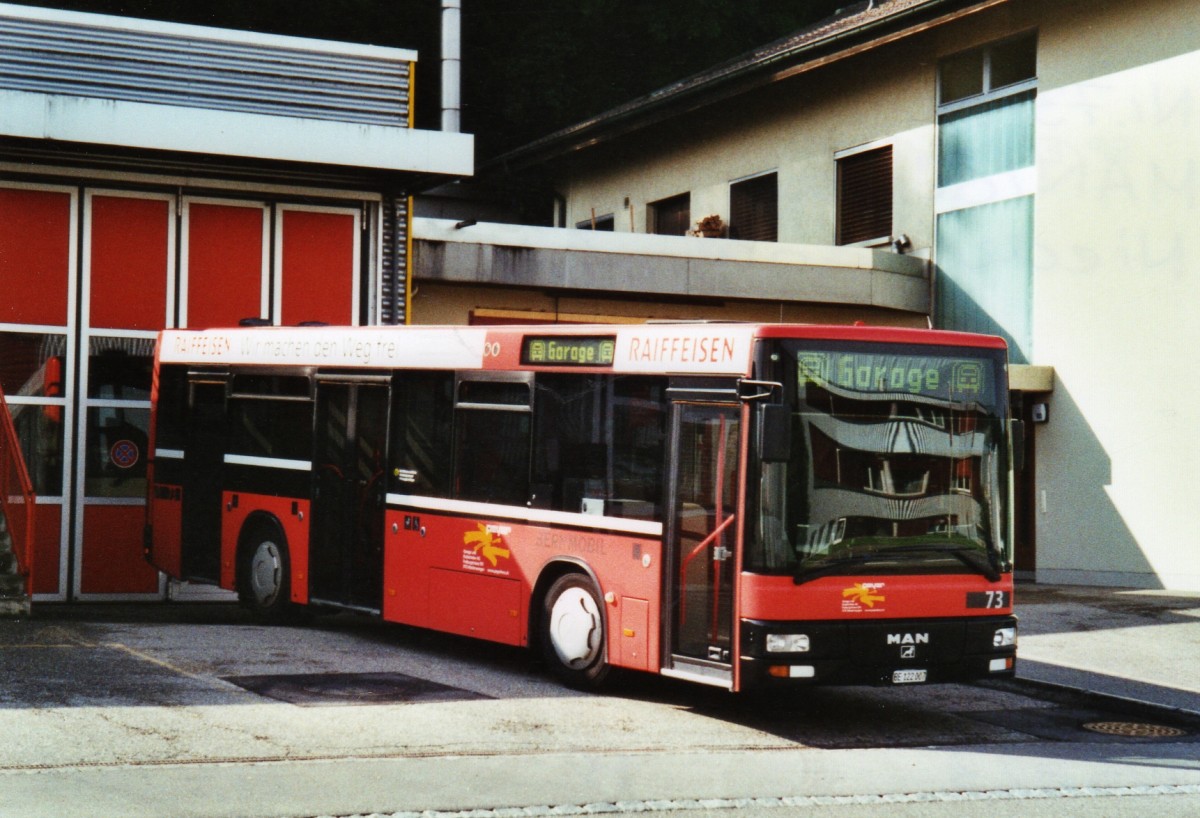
(271, 416)
(639, 441)
(568, 466)
(422, 433)
(492, 457)
(492, 417)
(598, 443)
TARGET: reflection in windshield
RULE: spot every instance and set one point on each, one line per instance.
(895, 460)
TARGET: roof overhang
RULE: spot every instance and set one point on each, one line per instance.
(873, 26)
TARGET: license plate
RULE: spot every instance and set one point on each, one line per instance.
(907, 677)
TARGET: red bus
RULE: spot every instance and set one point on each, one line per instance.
(734, 504)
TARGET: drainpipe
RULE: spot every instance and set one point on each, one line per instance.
(451, 64)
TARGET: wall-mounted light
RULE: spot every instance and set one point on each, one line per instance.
(901, 243)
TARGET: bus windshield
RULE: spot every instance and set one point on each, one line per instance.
(898, 463)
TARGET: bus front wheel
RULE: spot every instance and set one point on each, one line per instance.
(263, 575)
(572, 637)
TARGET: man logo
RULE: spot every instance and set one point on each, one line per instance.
(908, 639)
(908, 652)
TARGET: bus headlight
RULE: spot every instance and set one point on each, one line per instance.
(1004, 638)
(787, 643)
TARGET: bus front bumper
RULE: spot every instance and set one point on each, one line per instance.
(892, 652)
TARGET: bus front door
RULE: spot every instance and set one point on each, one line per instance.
(349, 485)
(203, 459)
(701, 531)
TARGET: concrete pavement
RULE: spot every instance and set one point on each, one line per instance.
(201, 746)
(1142, 646)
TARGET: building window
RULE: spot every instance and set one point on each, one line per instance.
(986, 188)
(605, 223)
(985, 272)
(864, 196)
(987, 71)
(754, 208)
(671, 217)
(985, 111)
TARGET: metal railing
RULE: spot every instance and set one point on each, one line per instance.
(16, 496)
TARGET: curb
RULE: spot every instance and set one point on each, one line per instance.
(1059, 693)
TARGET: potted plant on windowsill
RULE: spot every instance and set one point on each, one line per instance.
(711, 227)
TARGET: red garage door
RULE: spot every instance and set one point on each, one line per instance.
(37, 228)
(87, 279)
(225, 252)
(128, 246)
(318, 265)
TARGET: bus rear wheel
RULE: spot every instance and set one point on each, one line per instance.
(264, 575)
(572, 637)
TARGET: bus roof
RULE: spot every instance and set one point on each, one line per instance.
(674, 348)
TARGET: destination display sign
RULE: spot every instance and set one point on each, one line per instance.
(560, 350)
(359, 347)
(957, 379)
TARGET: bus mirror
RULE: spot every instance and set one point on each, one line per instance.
(1018, 444)
(774, 433)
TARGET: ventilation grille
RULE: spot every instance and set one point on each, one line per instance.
(393, 274)
(76, 59)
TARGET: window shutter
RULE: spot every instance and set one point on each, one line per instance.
(865, 196)
(754, 209)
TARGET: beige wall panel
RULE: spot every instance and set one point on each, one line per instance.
(1116, 290)
(794, 130)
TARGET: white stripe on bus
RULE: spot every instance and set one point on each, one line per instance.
(268, 462)
(649, 528)
(168, 454)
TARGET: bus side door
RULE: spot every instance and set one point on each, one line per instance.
(203, 460)
(700, 536)
(349, 488)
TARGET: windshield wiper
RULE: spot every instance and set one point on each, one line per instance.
(986, 563)
(830, 566)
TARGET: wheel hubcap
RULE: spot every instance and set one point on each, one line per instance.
(266, 569)
(575, 628)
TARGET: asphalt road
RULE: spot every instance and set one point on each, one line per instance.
(189, 710)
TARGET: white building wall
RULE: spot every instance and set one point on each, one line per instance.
(795, 132)
(1116, 294)
(1116, 307)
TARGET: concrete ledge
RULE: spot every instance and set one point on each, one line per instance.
(563, 258)
(1027, 378)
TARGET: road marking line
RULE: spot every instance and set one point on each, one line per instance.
(629, 807)
(35, 645)
(212, 681)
